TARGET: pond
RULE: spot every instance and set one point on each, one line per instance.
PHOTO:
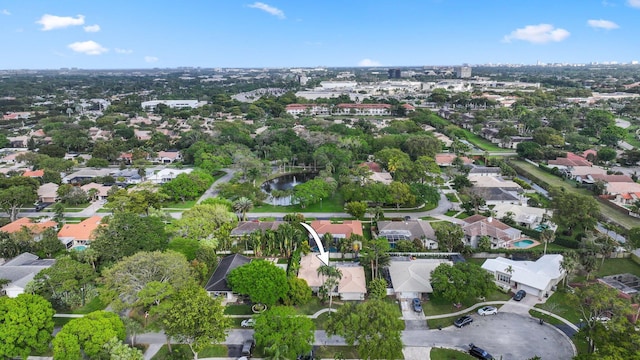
(284, 183)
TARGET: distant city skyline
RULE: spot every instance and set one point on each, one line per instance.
(118, 34)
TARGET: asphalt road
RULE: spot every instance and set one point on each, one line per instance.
(504, 335)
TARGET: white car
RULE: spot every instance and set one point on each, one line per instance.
(248, 323)
(487, 310)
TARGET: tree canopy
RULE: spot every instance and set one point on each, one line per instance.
(26, 325)
(282, 328)
(462, 280)
(88, 335)
(264, 282)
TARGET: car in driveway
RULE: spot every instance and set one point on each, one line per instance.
(487, 310)
(519, 295)
(463, 321)
(248, 323)
(417, 306)
(479, 353)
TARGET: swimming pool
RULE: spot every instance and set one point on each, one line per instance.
(523, 243)
(79, 248)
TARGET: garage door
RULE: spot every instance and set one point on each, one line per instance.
(529, 290)
(409, 295)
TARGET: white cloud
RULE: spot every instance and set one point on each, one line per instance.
(602, 24)
(151, 59)
(92, 28)
(368, 62)
(88, 47)
(268, 9)
(538, 34)
(123, 51)
(6, 12)
(634, 3)
(50, 22)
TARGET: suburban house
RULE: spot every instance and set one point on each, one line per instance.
(79, 235)
(85, 174)
(496, 190)
(307, 109)
(408, 230)
(527, 216)
(447, 159)
(101, 191)
(571, 161)
(48, 193)
(33, 173)
(128, 176)
(499, 233)
(352, 286)
(217, 284)
(173, 104)
(534, 277)
(377, 174)
(412, 278)
(167, 157)
(20, 271)
(247, 227)
(362, 109)
(165, 175)
(36, 228)
(338, 231)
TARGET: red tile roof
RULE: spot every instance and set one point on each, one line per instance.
(347, 227)
(81, 231)
(34, 173)
(36, 228)
(364, 106)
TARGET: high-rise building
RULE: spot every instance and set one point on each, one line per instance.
(395, 73)
(464, 72)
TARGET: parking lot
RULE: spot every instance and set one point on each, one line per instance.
(506, 335)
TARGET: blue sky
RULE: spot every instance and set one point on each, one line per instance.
(101, 34)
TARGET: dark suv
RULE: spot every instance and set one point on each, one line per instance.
(519, 295)
(463, 321)
(479, 353)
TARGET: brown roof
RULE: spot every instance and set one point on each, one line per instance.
(375, 167)
(448, 159)
(480, 218)
(36, 228)
(34, 173)
(612, 178)
(81, 231)
(247, 227)
(347, 227)
(569, 162)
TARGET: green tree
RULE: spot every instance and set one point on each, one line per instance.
(204, 222)
(63, 281)
(14, 198)
(596, 120)
(593, 302)
(26, 325)
(299, 292)
(195, 318)
(88, 335)
(377, 289)
(118, 350)
(331, 276)
(462, 280)
(373, 328)
(128, 280)
(375, 254)
(282, 328)
(126, 234)
(547, 236)
(187, 186)
(357, 209)
(611, 135)
(574, 211)
(400, 194)
(449, 236)
(607, 154)
(243, 205)
(264, 282)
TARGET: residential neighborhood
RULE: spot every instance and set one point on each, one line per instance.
(173, 213)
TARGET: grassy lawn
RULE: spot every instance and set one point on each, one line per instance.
(448, 354)
(451, 213)
(179, 205)
(60, 321)
(238, 310)
(336, 352)
(462, 215)
(548, 319)
(631, 136)
(183, 352)
(314, 306)
(482, 143)
(437, 305)
(93, 305)
(451, 197)
(321, 321)
(332, 204)
(618, 266)
(442, 323)
(559, 304)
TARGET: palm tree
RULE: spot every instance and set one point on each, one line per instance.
(547, 236)
(569, 264)
(333, 276)
(243, 205)
(606, 246)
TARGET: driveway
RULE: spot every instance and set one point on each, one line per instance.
(412, 319)
(505, 335)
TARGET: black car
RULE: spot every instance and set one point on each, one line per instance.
(463, 321)
(519, 295)
(308, 356)
(41, 206)
(479, 353)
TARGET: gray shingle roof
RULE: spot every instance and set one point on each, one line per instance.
(218, 281)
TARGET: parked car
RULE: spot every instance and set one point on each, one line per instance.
(248, 323)
(487, 310)
(309, 356)
(247, 347)
(41, 206)
(417, 306)
(519, 295)
(479, 353)
(463, 321)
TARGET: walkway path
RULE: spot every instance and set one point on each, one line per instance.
(213, 189)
